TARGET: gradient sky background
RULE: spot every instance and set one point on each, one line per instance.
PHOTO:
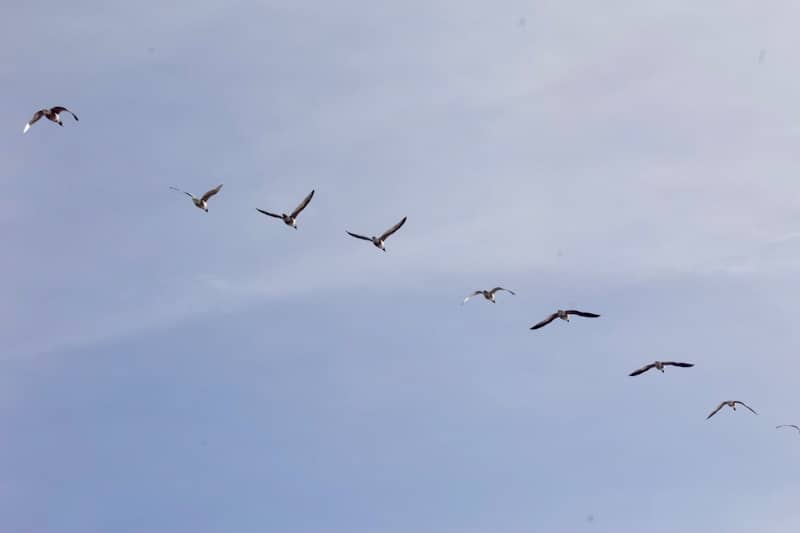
(168, 370)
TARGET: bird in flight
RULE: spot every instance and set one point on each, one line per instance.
(290, 219)
(489, 295)
(788, 426)
(563, 315)
(659, 365)
(732, 405)
(201, 202)
(52, 114)
(380, 241)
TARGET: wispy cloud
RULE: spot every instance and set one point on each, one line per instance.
(572, 137)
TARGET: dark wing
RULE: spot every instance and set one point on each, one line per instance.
(788, 426)
(674, 363)
(211, 193)
(642, 370)
(470, 296)
(715, 411)
(500, 289)
(268, 213)
(394, 228)
(190, 195)
(359, 236)
(58, 109)
(302, 205)
(545, 321)
(36, 116)
(582, 313)
(744, 404)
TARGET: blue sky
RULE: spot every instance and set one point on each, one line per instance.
(165, 370)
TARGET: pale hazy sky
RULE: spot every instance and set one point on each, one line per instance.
(168, 370)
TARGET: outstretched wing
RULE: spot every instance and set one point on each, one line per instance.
(268, 213)
(545, 321)
(582, 313)
(788, 426)
(674, 363)
(359, 236)
(190, 195)
(302, 205)
(58, 109)
(744, 404)
(211, 193)
(470, 296)
(501, 289)
(36, 116)
(642, 370)
(715, 411)
(394, 228)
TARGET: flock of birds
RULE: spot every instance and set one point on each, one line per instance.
(54, 115)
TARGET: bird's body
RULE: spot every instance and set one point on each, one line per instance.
(52, 114)
(380, 242)
(732, 405)
(290, 219)
(202, 202)
(489, 295)
(659, 365)
(563, 315)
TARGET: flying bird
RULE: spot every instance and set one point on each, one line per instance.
(788, 426)
(731, 404)
(659, 365)
(53, 114)
(201, 202)
(380, 241)
(563, 315)
(290, 219)
(489, 295)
